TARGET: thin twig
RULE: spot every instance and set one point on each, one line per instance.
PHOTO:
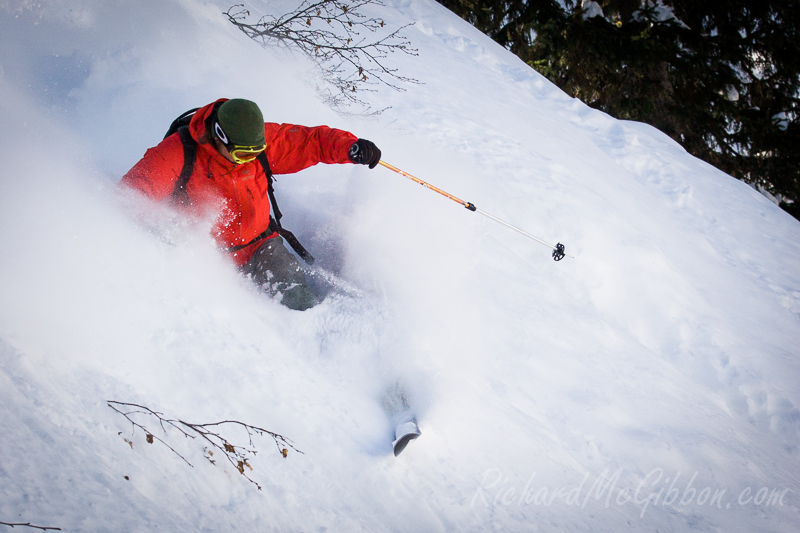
(146, 431)
(28, 524)
(238, 456)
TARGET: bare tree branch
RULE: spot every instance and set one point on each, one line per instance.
(237, 455)
(330, 33)
(28, 524)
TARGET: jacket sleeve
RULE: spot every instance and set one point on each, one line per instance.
(292, 148)
(156, 173)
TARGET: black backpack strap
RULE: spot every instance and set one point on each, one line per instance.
(182, 120)
(181, 126)
(295, 244)
(276, 212)
(179, 194)
(275, 219)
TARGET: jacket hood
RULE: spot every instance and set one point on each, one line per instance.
(197, 129)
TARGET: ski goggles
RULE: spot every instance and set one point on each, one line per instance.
(239, 153)
(245, 154)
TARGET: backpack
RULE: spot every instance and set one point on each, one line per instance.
(179, 195)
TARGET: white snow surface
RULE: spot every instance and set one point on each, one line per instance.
(650, 383)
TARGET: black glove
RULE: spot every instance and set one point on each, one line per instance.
(364, 152)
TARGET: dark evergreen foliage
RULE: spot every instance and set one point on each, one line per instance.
(721, 78)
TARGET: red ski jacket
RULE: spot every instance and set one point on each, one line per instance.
(237, 192)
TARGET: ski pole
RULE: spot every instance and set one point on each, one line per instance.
(558, 249)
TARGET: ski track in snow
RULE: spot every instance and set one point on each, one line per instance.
(648, 384)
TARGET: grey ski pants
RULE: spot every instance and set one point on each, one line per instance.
(276, 271)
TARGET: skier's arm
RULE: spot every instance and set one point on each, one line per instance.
(156, 173)
(292, 148)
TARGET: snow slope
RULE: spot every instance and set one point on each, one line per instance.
(651, 383)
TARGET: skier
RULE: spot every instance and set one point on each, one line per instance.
(223, 161)
(228, 173)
